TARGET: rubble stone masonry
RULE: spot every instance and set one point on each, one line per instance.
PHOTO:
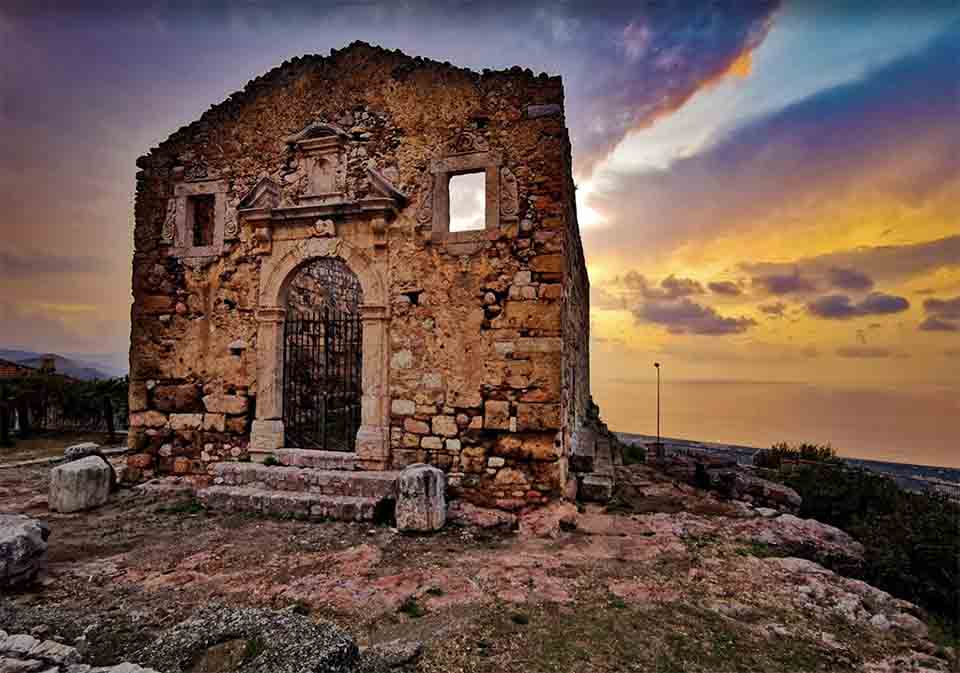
(475, 344)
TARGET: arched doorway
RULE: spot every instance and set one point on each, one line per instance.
(323, 357)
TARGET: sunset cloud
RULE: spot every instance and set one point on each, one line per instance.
(791, 283)
(935, 324)
(775, 309)
(943, 308)
(840, 306)
(688, 317)
(725, 287)
(849, 279)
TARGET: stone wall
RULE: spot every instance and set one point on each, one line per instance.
(477, 342)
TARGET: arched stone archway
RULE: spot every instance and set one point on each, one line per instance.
(276, 274)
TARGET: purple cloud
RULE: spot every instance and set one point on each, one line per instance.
(849, 279)
(725, 287)
(670, 287)
(785, 283)
(841, 307)
(775, 309)
(943, 308)
(935, 324)
(688, 317)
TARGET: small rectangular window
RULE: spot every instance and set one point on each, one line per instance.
(468, 202)
(200, 218)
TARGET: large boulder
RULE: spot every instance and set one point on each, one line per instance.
(23, 550)
(251, 640)
(421, 499)
(80, 484)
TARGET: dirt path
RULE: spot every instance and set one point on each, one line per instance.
(675, 581)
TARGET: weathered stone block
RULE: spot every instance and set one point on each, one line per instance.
(80, 484)
(529, 315)
(445, 426)
(148, 419)
(137, 396)
(596, 488)
(496, 415)
(421, 499)
(547, 264)
(185, 421)
(415, 426)
(225, 404)
(432, 443)
(538, 111)
(538, 417)
(510, 476)
(266, 435)
(403, 407)
(177, 398)
(214, 423)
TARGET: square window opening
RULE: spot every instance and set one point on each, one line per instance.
(468, 202)
(200, 219)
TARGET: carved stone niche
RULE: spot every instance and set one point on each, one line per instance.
(197, 222)
(319, 151)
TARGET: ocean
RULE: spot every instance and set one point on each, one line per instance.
(916, 425)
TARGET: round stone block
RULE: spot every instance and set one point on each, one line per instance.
(421, 499)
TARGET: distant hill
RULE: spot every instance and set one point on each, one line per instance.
(78, 369)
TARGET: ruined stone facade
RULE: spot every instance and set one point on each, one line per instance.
(474, 343)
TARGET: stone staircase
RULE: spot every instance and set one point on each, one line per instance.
(314, 485)
(595, 462)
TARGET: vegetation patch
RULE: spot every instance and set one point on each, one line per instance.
(412, 608)
(911, 540)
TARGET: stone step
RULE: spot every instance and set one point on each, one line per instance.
(312, 506)
(321, 460)
(603, 457)
(306, 480)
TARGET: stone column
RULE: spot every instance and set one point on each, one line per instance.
(267, 431)
(373, 437)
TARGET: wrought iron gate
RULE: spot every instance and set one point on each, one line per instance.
(321, 379)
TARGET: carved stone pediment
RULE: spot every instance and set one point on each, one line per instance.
(315, 131)
(382, 185)
(264, 195)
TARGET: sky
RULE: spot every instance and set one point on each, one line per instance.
(768, 193)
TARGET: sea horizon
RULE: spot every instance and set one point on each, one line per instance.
(877, 422)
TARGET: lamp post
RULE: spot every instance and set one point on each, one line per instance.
(660, 452)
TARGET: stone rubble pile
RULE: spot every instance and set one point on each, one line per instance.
(728, 479)
(220, 640)
(22, 653)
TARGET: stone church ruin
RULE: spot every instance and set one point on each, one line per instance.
(300, 298)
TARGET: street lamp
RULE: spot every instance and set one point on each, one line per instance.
(660, 451)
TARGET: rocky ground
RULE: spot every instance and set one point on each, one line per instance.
(665, 579)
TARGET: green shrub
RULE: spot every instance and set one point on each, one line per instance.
(412, 608)
(911, 540)
(270, 461)
(778, 454)
(633, 453)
